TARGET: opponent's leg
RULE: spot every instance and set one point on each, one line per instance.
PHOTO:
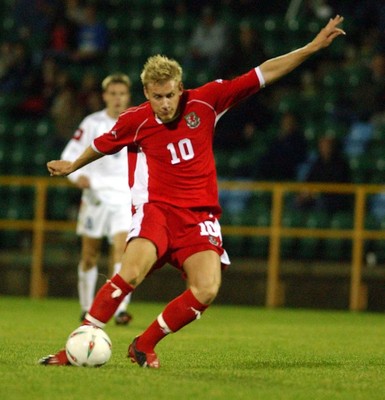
(122, 316)
(88, 272)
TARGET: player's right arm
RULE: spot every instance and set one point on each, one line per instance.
(81, 138)
(109, 143)
(278, 67)
(64, 168)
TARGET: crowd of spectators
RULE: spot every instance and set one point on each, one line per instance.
(49, 39)
(308, 127)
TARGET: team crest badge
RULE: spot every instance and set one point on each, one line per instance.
(192, 120)
(78, 134)
(213, 240)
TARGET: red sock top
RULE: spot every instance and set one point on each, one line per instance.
(122, 284)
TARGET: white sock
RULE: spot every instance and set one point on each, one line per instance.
(123, 305)
(86, 286)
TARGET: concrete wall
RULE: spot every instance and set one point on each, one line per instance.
(307, 285)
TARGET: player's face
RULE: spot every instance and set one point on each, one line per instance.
(117, 98)
(164, 98)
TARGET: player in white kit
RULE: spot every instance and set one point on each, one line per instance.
(105, 209)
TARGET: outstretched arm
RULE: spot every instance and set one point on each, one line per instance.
(275, 68)
(64, 168)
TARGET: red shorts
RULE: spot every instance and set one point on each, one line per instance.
(177, 232)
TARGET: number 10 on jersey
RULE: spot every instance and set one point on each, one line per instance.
(183, 150)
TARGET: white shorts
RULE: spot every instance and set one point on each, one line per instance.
(103, 220)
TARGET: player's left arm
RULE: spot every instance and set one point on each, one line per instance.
(278, 67)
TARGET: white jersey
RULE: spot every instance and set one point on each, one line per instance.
(109, 175)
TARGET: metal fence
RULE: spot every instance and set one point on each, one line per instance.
(39, 225)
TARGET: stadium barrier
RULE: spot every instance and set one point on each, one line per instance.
(39, 226)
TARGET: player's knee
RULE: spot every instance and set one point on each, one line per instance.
(206, 294)
(133, 273)
(88, 262)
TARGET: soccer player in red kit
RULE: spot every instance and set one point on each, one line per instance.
(174, 188)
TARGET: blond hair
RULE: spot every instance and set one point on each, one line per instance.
(116, 78)
(160, 68)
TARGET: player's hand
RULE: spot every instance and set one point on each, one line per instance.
(59, 167)
(327, 34)
(83, 182)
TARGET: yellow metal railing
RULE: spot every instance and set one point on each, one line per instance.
(39, 226)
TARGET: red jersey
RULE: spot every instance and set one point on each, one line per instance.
(174, 162)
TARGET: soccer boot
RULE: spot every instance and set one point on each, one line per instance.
(123, 318)
(58, 359)
(149, 360)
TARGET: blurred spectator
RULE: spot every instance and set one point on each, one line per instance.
(93, 102)
(378, 88)
(358, 138)
(369, 96)
(308, 85)
(247, 8)
(377, 206)
(238, 127)
(320, 9)
(14, 66)
(66, 114)
(89, 96)
(40, 90)
(74, 11)
(34, 16)
(33, 19)
(61, 39)
(245, 52)
(6, 58)
(285, 153)
(367, 105)
(207, 43)
(92, 37)
(368, 14)
(329, 166)
(88, 84)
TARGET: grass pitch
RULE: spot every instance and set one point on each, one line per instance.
(231, 353)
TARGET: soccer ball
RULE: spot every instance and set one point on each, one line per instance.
(88, 346)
